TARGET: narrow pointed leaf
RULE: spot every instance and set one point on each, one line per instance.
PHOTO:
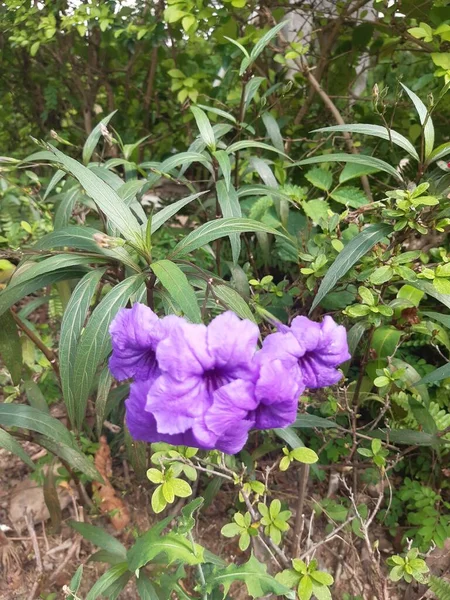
(376, 131)
(425, 120)
(359, 159)
(106, 580)
(244, 144)
(99, 537)
(71, 326)
(273, 131)
(353, 251)
(178, 286)
(10, 346)
(233, 301)
(437, 375)
(204, 126)
(95, 344)
(10, 444)
(93, 138)
(224, 163)
(166, 213)
(230, 207)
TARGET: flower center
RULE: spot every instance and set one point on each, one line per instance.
(214, 379)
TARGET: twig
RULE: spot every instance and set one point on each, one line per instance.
(329, 537)
(73, 550)
(49, 354)
(37, 553)
(302, 475)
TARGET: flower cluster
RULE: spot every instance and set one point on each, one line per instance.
(207, 386)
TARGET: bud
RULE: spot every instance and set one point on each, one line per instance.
(102, 240)
(105, 133)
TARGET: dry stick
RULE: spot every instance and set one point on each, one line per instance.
(49, 354)
(37, 554)
(329, 537)
(73, 550)
(302, 475)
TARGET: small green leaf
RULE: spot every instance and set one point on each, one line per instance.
(381, 275)
(158, 500)
(320, 178)
(350, 196)
(181, 488)
(305, 588)
(204, 126)
(304, 455)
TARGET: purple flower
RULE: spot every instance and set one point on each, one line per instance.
(318, 349)
(135, 334)
(196, 362)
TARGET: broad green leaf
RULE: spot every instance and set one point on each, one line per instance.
(273, 131)
(35, 397)
(353, 251)
(173, 546)
(166, 213)
(55, 437)
(225, 165)
(316, 210)
(145, 588)
(320, 178)
(350, 196)
(108, 201)
(359, 159)
(230, 207)
(233, 301)
(254, 574)
(385, 341)
(444, 319)
(181, 159)
(99, 537)
(354, 171)
(428, 288)
(93, 138)
(95, 344)
(377, 131)
(425, 120)
(307, 421)
(106, 580)
(32, 269)
(204, 126)
(178, 286)
(10, 346)
(437, 375)
(219, 228)
(75, 583)
(13, 294)
(103, 389)
(65, 208)
(71, 326)
(53, 182)
(244, 144)
(10, 444)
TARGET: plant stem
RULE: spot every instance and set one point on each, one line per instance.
(302, 474)
(201, 575)
(47, 352)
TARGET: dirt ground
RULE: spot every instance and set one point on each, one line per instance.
(24, 575)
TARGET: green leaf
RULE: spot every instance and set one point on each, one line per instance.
(105, 197)
(178, 286)
(254, 574)
(354, 171)
(71, 326)
(65, 208)
(145, 587)
(230, 207)
(100, 538)
(230, 530)
(408, 437)
(244, 144)
(184, 158)
(359, 159)
(224, 163)
(264, 41)
(233, 301)
(353, 251)
(273, 131)
(10, 346)
(425, 120)
(103, 389)
(181, 488)
(31, 270)
(305, 455)
(289, 436)
(95, 344)
(381, 275)
(217, 111)
(166, 213)
(305, 588)
(173, 546)
(93, 138)
(350, 196)
(385, 341)
(55, 437)
(35, 397)
(320, 178)
(106, 580)
(204, 126)
(377, 131)
(219, 228)
(75, 583)
(307, 421)
(436, 375)
(430, 290)
(443, 319)
(10, 444)
(316, 210)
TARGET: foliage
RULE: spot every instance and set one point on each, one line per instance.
(275, 218)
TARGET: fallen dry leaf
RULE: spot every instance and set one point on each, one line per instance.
(105, 495)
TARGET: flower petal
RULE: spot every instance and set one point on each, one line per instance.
(135, 333)
(231, 404)
(232, 343)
